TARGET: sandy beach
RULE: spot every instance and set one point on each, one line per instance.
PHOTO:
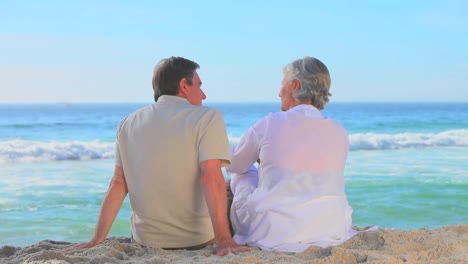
(444, 245)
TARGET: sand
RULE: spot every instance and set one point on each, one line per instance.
(445, 245)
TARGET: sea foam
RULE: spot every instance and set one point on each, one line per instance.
(25, 150)
(379, 141)
(372, 141)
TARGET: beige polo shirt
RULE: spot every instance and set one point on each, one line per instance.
(160, 148)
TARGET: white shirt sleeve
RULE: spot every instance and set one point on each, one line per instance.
(244, 154)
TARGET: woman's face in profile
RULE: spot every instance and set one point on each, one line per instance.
(285, 93)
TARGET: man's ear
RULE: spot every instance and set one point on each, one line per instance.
(183, 87)
(296, 85)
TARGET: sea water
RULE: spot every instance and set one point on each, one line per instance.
(407, 167)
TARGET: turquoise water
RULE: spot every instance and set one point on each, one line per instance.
(407, 168)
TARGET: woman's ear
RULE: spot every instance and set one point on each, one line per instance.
(296, 85)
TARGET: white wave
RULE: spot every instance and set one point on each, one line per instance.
(377, 141)
(373, 141)
(234, 140)
(25, 150)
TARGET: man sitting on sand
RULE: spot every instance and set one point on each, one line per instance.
(168, 158)
(296, 198)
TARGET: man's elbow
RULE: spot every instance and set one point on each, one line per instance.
(118, 186)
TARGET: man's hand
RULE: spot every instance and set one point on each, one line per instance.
(82, 246)
(110, 207)
(224, 248)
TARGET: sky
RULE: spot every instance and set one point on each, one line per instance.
(105, 51)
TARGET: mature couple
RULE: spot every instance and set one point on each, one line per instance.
(169, 157)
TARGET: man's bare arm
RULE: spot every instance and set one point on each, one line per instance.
(215, 194)
(110, 207)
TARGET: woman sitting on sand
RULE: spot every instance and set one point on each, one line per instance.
(297, 197)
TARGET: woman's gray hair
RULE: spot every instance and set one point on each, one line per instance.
(314, 78)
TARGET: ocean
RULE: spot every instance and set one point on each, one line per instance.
(407, 167)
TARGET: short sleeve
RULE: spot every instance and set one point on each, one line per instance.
(118, 157)
(214, 143)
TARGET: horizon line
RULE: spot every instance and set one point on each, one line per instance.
(224, 102)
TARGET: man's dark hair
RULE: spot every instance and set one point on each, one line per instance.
(168, 73)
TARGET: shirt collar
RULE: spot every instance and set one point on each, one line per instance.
(171, 99)
(308, 110)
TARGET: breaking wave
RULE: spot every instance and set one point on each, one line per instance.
(25, 150)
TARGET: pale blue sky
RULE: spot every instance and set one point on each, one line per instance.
(105, 51)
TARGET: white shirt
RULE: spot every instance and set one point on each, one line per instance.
(297, 197)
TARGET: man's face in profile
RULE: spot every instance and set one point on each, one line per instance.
(195, 94)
